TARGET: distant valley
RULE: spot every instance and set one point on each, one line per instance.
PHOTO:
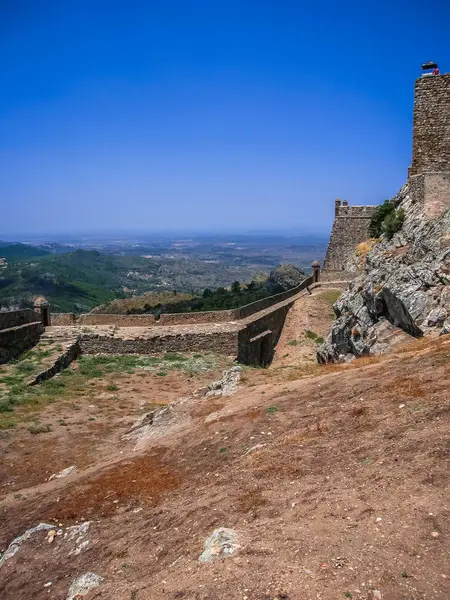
(77, 275)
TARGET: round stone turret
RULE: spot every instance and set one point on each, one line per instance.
(41, 301)
(316, 271)
(41, 306)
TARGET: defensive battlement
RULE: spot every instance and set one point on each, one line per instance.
(429, 174)
(431, 125)
(249, 333)
(344, 210)
(350, 228)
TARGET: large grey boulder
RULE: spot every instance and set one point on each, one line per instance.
(405, 281)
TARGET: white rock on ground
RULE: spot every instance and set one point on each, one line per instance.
(222, 542)
(227, 385)
(18, 541)
(64, 473)
(83, 584)
(75, 532)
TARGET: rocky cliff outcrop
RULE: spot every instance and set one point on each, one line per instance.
(284, 277)
(404, 285)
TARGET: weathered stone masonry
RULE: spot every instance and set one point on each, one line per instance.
(248, 333)
(251, 340)
(19, 330)
(350, 227)
(189, 318)
(429, 174)
(431, 125)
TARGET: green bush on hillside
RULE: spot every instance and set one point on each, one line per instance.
(393, 223)
(386, 220)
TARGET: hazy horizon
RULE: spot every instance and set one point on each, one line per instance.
(140, 235)
(193, 117)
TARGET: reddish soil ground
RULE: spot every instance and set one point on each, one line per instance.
(336, 481)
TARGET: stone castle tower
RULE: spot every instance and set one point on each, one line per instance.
(428, 177)
(431, 125)
(429, 174)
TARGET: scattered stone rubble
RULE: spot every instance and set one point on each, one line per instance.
(157, 422)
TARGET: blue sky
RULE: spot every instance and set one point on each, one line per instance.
(206, 115)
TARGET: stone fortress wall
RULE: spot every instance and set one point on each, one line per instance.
(350, 227)
(19, 331)
(428, 177)
(248, 333)
(431, 125)
(429, 174)
(189, 318)
(250, 340)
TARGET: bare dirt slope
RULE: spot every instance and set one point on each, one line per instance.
(337, 484)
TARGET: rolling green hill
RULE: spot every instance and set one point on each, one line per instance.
(80, 280)
(75, 281)
(14, 252)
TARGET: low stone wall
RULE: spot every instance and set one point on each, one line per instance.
(258, 340)
(190, 318)
(62, 362)
(222, 342)
(118, 320)
(251, 340)
(15, 318)
(15, 340)
(254, 307)
(63, 319)
(68, 319)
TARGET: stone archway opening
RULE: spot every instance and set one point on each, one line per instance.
(45, 319)
(265, 352)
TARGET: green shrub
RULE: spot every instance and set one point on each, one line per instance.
(386, 219)
(393, 223)
(378, 217)
(6, 405)
(53, 387)
(312, 335)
